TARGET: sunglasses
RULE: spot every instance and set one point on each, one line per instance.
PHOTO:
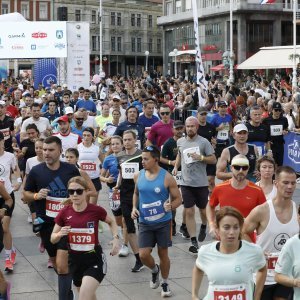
(149, 148)
(165, 113)
(78, 191)
(79, 119)
(238, 168)
(203, 114)
(277, 109)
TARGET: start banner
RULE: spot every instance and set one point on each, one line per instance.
(292, 151)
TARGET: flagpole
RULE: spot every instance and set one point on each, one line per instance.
(294, 82)
(231, 77)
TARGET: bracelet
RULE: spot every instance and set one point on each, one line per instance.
(169, 162)
(35, 196)
(201, 157)
(19, 180)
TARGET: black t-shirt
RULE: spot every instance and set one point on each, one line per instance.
(30, 152)
(207, 131)
(6, 127)
(169, 151)
(56, 181)
(276, 126)
(259, 133)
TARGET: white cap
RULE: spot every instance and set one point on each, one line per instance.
(3, 103)
(116, 96)
(240, 161)
(69, 110)
(240, 127)
(64, 85)
(20, 87)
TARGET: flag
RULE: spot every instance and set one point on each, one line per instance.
(267, 1)
(201, 81)
(45, 72)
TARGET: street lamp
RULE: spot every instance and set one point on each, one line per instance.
(100, 37)
(294, 81)
(231, 75)
(147, 55)
(175, 66)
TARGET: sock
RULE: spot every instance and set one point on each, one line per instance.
(183, 225)
(7, 253)
(64, 287)
(203, 226)
(165, 280)
(137, 257)
(120, 232)
(155, 269)
(193, 239)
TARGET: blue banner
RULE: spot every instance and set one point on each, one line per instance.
(45, 72)
(292, 151)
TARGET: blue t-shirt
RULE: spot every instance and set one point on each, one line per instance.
(89, 105)
(110, 163)
(138, 105)
(77, 131)
(217, 120)
(146, 121)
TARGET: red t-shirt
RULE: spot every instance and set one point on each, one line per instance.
(160, 133)
(243, 200)
(87, 221)
(12, 111)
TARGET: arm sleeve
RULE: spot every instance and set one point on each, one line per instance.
(30, 182)
(259, 259)
(105, 164)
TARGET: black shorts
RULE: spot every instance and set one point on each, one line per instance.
(156, 233)
(278, 152)
(126, 209)
(276, 290)
(211, 170)
(194, 196)
(97, 184)
(2, 202)
(92, 264)
(45, 232)
(220, 147)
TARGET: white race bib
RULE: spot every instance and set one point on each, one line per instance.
(229, 292)
(223, 135)
(272, 259)
(82, 239)
(276, 130)
(53, 206)
(178, 178)
(138, 144)
(187, 154)
(259, 150)
(128, 169)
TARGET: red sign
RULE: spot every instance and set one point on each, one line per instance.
(39, 35)
(209, 47)
(230, 295)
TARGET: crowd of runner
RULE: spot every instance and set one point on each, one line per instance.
(148, 140)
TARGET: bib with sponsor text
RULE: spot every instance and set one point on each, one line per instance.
(128, 169)
(229, 292)
(53, 206)
(82, 239)
(153, 211)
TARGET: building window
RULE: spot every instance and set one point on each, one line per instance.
(178, 6)
(212, 29)
(188, 5)
(77, 15)
(158, 45)
(132, 44)
(94, 17)
(138, 20)
(119, 43)
(43, 11)
(169, 8)
(150, 21)
(4, 8)
(113, 43)
(25, 10)
(138, 45)
(113, 18)
(119, 22)
(94, 43)
(150, 43)
(132, 19)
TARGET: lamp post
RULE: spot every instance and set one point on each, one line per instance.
(175, 66)
(231, 75)
(294, 81)
(100, 37)
(147, 55)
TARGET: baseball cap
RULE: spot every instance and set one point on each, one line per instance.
(3, 103)
(1, 136)
(240, 127)
(116, 97)
(276, 105)
(178, 124)
(222, 103)
(64, 85)
(202, 109)
(240, 161)
(90, 130)
(63, 118)
(69, 110)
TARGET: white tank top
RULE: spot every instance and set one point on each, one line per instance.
(89, 160)
(275, 236)
(272, 194)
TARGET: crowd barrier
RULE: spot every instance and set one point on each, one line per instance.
(292, 151)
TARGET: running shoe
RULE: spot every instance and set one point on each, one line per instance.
(49, 264)
(29, 218)
(13, 256)
(137, 267)
(202, 234)
(184, 232)
(41, 247)
(165, 290)
(8, 265)
(124, 251)
(194, 248)
(154, 282)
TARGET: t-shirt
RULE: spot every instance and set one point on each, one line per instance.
(276, 127)
(110, 163)
(87, 221)
(194, 171)
(169, 151)
(6, 127)
(54, 180)
(288, 262)
(51, 117)
(30, 163)
(30, 152)
(42, 124)
(147, 122)
(259, 136)
(90, 122)
(230, 271)
(216, 121)
(207, 131)
(8, 162)
(243, 200)
(160, 132)
(89, 105)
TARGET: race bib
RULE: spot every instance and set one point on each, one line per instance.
(138, 144)
(276, 130)
(259, 150)
(187, 154)
(229, 292)
(178, 178)
(88, 166)
(114, 200)
(272, 259)
(53, 206)
(153, 211)
(82, 239)
(128, 170)
(223, 134)
(6, 133)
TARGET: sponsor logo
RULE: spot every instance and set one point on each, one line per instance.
(48, 79)
(33, 47)
(17, 47)
(280, 240)
(294, 151)
(59, 46)
(17, 36)
(39, 35)
(78, 61)
(59, 34)
(57, 188)
(91, 224)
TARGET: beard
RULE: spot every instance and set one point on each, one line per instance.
(239, 177)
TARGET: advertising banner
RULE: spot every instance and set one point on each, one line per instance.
(292, 151)
(3, 68)
(33, 40)
(45, 72)
(78, 60)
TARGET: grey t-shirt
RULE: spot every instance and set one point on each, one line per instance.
(194, 172)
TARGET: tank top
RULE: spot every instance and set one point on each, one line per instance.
(275, 235)
(272, 194)
(152, 196)
(250, 155)
(89, 160)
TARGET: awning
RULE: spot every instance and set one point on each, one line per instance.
(270, 58)
(217, 68)
(183, 52)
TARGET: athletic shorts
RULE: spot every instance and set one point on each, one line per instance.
(194, 196)
(45, 233)
(278, 152)
(97, 184)
(114, 203)
(126, 209)
(211, 170)
(2, 202)
(91, 263)
(276, 290)
(156, 233)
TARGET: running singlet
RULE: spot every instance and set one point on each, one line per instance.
(84, 226)
(89, 160)
(70, 140)
(8, 162)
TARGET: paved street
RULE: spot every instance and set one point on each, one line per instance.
(32, 280)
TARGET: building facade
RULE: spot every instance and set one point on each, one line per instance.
(254, 26)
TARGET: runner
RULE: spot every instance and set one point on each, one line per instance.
(156, 195)
(79, 223)
(275, 222)
(238, 257)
